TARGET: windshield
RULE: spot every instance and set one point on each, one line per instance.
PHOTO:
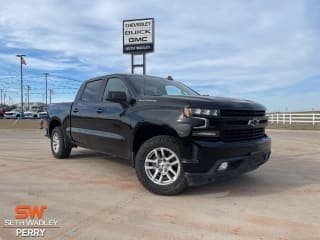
(153, 86)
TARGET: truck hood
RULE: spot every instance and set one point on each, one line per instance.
(207, 102)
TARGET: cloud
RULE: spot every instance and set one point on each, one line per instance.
(234, 48)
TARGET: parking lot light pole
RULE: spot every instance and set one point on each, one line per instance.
(21, 80)
(1, 90)
(28, 89)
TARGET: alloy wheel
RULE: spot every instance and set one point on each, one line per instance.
(162, 166)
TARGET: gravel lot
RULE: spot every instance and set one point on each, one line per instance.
(94, 196)
(19, 124)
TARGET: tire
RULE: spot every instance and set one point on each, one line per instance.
(60, 146)
(156, 162)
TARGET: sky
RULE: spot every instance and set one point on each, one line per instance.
(266, 51)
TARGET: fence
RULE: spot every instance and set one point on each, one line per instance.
(294, 118)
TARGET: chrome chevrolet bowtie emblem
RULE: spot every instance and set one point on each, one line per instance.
(253, 122)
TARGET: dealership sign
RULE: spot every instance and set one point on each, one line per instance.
(29, 221)
(138, 36)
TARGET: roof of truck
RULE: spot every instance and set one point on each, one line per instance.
(124, 75)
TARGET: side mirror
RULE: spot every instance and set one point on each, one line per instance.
(117, 96)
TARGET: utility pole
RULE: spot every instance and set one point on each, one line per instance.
(1, 90)
(28, 89)
(21, 80)
(26, 99)
(46, 78)
(51, 92)
(4, 101)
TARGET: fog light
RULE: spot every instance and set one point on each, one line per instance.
(204, 133)
(223, 166)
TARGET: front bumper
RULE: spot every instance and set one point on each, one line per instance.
(9, 117)
(241, 157)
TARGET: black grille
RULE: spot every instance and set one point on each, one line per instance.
(244, 122)
(242, 113)
(242, 134)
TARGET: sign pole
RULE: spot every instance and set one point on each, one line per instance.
(132, 63)
(144, 64)
(138, 39)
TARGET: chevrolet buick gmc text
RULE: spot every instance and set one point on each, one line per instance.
(173, 136)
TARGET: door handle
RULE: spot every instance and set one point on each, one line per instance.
(99, 110)
(75, 110)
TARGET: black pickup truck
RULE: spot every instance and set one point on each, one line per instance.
(173, 136)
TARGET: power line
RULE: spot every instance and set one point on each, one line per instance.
(6, 82)
(42, 89)
(67, 78)
(56, 82)
(7, 77)
(33, 78)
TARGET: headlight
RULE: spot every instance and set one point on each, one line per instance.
(189, 112)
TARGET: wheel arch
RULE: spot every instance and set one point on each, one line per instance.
(55, 122)
(146, 131)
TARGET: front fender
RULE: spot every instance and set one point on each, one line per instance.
(170, 118)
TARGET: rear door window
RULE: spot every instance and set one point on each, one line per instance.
(173, 90)
(92, 91)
